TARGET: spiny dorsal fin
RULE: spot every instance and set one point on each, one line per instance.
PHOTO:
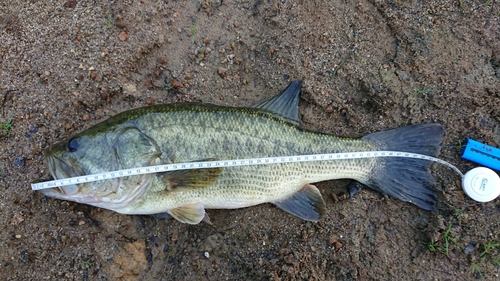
(306, 204)
(191, 214)
(286, 104)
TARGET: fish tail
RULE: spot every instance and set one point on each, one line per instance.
(407, 179)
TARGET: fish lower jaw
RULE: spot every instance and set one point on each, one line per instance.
(89, 200)
(94, 200)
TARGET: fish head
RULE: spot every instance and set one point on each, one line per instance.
(94, 152)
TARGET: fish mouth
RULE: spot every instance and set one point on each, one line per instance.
(61, 168)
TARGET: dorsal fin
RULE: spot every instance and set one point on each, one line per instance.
(286, 104)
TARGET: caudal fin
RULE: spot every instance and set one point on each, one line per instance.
(407, 179)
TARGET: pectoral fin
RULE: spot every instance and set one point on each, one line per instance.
(191, 179)
(306, 204)
(191, 214)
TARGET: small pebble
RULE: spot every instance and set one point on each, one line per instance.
(206, 255)
(120, 25)
(70, 4)
(176, 83)
(162, 61)
(123, 36)
(335, 197)
(20, 161)
(470, 248)
(18, 236)
(222, 70)
(17, 219)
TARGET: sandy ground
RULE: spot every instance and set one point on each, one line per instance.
(367, 65)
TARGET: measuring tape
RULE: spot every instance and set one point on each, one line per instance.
(234, 163)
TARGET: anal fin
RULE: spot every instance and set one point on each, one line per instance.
(306, 204)
(190, 214)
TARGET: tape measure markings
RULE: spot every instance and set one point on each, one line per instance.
(235, 163)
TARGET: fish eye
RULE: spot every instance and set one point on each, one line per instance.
(73, 145)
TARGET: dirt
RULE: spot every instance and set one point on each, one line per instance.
(367, 66)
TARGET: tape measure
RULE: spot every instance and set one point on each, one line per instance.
(235, 163)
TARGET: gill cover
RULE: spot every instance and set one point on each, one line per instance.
(134, 149)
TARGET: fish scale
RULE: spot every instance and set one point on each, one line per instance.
(226, 136)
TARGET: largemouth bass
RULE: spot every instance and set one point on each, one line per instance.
(191, 132)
